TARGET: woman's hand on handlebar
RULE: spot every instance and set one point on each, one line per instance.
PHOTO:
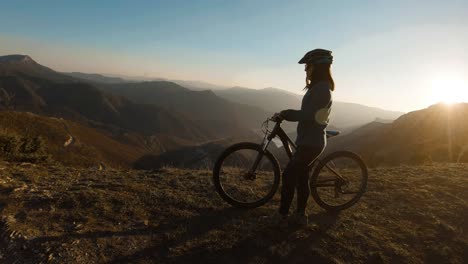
(277, 117)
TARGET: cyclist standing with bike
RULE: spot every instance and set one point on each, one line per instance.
(247, 174)
(312, 121)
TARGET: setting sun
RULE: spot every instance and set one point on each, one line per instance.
(449, 88)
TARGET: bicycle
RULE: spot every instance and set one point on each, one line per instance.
(247, 174)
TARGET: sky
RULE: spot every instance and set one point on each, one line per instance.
(396, 55)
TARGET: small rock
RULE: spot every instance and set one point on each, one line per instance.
(27, 165)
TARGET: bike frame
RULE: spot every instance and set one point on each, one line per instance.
(287, 144)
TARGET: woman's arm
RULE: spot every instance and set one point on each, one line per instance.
(318, 100)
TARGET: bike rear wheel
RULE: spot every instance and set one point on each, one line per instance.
(242, 184)
(339, 181)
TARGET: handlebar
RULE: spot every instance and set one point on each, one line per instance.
(275, 119)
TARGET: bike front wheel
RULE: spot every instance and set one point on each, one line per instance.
(245, 176)
(339, 180)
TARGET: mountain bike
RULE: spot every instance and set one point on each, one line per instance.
(247, 175)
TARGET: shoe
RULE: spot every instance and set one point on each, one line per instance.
(299, 220)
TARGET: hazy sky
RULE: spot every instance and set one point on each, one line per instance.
(399, 55)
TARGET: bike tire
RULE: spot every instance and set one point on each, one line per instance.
(245, 146)
(313, 181)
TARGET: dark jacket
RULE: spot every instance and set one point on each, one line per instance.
(313, 116)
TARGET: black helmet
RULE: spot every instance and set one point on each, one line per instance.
(317, 56)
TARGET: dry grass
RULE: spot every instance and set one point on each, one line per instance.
(70, 215)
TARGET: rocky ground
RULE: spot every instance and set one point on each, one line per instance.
(55, 214)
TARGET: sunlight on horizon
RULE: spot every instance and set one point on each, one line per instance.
(448, 88)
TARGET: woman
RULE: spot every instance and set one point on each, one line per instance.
(311, 138)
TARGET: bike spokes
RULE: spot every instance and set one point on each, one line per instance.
(339, 181)
(247, 177)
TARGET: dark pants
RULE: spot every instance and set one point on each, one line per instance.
(296, 176)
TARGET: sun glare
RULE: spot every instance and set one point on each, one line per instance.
(449, 89)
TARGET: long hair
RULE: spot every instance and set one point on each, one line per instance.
(321, 72)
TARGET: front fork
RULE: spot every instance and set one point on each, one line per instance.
(265, 143)
(251, 173)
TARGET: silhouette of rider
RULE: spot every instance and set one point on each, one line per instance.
(311, 139)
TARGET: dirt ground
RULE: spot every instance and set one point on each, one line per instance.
(55, 214)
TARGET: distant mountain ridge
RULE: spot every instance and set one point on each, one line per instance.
(111, 78)
(94, 77)
(345, 116)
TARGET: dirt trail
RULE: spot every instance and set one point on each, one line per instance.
(70, 139)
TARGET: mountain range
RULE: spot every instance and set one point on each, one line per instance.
(162, 122)
(344, 116)
(26, 86)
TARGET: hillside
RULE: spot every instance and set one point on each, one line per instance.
(69, 142)
(67, 215)
(438, 133)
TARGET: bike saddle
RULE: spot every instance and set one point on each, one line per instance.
(332, 133)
